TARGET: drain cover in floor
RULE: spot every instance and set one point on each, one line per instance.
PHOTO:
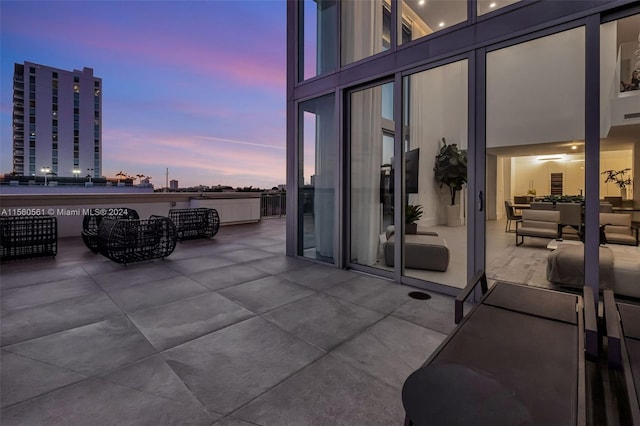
(419, 295)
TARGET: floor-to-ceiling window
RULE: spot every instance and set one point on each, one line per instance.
(317, 164)
(371, 136)
(620, 152)
(435, 146)
(366, 28)
(317, 50)
(419, 18)
(535, 131)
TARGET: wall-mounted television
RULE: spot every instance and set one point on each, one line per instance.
(412, 167)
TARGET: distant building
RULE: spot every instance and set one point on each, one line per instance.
(173, 185)
(57, 121)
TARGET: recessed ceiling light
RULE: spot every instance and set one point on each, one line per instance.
(421, 2)
(441, 24)
(492, 5)
(574, 147)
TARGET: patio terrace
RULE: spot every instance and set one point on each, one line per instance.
(226, 331)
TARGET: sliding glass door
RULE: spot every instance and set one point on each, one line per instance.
(535, 160)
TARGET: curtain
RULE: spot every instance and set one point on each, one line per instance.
(366, 159)
(361, 29)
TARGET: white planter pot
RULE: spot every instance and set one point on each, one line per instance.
(454, 216)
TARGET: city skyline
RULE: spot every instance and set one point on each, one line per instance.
(198, 87)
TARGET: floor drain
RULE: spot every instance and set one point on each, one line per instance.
(419, 295)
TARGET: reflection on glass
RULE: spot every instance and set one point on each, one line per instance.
(535, 170)
(419, 18)
(318, 37)
(317, 173)
(436, 103)
(486, 6)
(366, 28)
(371, 141)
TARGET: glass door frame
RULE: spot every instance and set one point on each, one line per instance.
(591, 26)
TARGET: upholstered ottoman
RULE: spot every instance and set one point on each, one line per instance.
(420, 252)
(565, 266)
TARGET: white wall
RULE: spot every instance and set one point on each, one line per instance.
(535, 91)
(438, 109)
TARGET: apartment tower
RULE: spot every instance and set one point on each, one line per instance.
(57, 121)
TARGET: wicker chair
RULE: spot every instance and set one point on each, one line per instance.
(133, 240)
(91, 223)
(195, 223)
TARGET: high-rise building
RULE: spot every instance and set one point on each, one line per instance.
(173, 185)
(57, 121)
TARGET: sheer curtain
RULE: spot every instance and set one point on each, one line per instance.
(325, 168)
(366, 158)
(361, 29)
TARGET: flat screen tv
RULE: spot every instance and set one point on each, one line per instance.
(412, 160)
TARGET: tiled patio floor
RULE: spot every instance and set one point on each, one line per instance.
(225, 332)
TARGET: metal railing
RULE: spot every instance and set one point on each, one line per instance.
(273, 205)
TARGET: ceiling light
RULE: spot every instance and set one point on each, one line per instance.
(421, 2)
(551, 157)
(574, 147)
(441, 24)
(492, 5)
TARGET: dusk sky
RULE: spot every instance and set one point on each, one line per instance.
(195, 86)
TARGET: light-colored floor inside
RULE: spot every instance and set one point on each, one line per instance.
(224, 332)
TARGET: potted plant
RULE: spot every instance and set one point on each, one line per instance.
(411, 215)
(619, 178)
(451, 170)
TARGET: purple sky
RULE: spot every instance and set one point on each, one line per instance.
(195, 86)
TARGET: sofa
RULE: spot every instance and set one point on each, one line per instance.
(618, 229)
(427, 252)
(538, 223)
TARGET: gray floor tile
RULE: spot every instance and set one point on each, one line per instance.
(246, 255)
(148, 295)
(318, 277)
(390, 350)
(227, 368)
(329, 392)
(374, 293)
(154, 376)
(278, 264)
(323, 320)
(96, 402)
(175, 323)
(227, 276)
(22, 378)
(39, 294)
(135, 274)
(435, 313)
(39, 275)
(28, 323)
(230, 421)
(197, 264)
(90, 349)
(266, 294)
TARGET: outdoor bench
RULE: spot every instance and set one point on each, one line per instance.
(195, 222)
(23, 237)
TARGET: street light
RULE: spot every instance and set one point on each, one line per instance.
(89, 173)
(76, 172)
(46, 170)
